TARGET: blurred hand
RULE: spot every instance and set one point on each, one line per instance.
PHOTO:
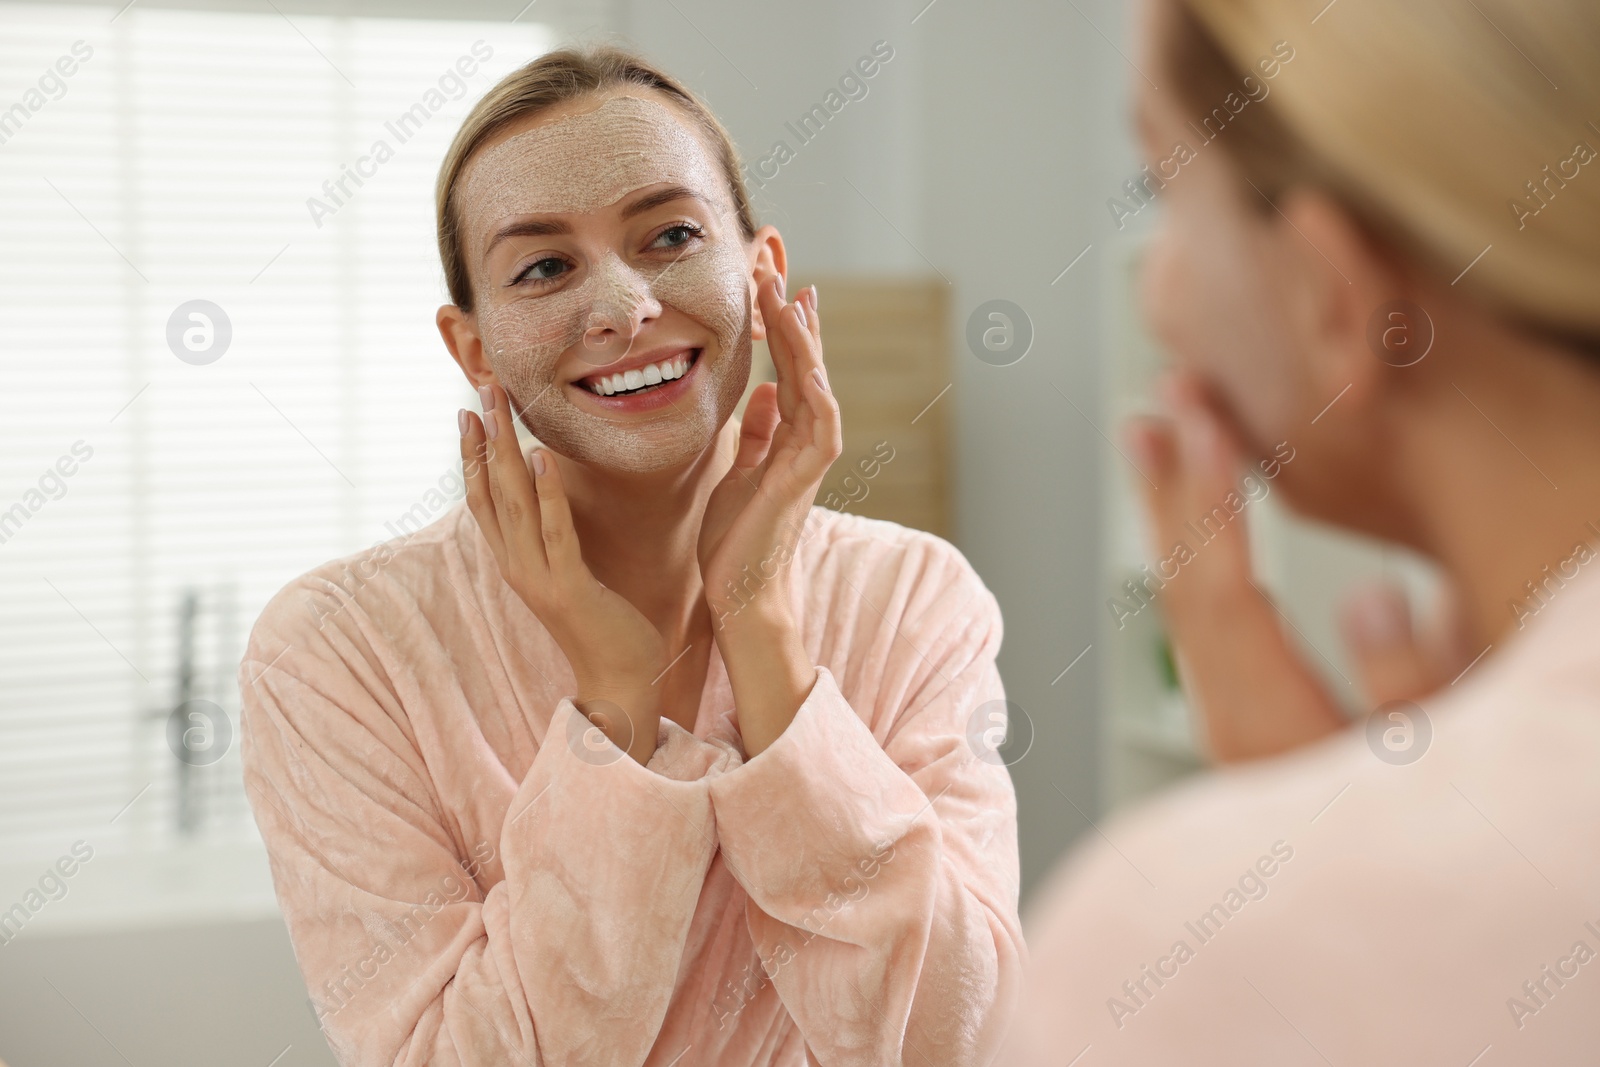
(1255, 694)
(1396, 658)
(1254, 691)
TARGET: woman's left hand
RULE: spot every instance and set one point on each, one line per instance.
(756, 515)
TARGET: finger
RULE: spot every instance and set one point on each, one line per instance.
(475, 473)
(805, 425)
(827, 428)
(778, 344)
(755, 431)
(515, 504)
(1206, 509)
(1255, 693)
(1152, 442)
(559, 536)
(1186, 467)
(806, 349)
(808, 297)
(1377, 626)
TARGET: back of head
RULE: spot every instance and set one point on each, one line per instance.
(1452, 127)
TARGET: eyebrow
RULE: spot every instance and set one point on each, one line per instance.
(663, 196)
(526, 228)
(548, 227)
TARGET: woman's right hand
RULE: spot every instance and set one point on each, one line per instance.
(615, 653)
(1254, 694)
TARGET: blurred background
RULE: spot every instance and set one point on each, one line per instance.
(218, 278)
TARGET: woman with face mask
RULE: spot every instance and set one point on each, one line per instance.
(1378, 273)
(635, 757)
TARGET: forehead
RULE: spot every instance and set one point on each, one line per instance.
(579, 161)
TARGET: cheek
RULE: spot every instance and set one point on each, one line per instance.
(1194, 287)
(1163, 291)
(527, 337)
(1206, 293)
(712, 288)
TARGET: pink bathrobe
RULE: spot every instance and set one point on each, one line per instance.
(472, 875)
(1331, 907)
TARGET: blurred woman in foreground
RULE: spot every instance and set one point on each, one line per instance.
(1381, 246)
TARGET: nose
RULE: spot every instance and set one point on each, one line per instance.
(622, 304)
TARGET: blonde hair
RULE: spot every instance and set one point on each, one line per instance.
(566, 74)
(1434, 120)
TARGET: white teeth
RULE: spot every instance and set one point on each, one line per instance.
(653, 374)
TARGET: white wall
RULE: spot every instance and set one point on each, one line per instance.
(991, 143)
(780, 61)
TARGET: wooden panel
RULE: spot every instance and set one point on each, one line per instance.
(885, 344)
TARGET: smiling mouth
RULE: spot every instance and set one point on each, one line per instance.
(641, 380)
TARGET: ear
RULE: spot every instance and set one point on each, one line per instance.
(460, 333)
(1336, 276)
(767, 260)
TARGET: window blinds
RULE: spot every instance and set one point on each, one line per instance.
(154, 494)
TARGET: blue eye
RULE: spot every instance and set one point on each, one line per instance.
(678, 235)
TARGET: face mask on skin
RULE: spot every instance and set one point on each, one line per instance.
(581, 164)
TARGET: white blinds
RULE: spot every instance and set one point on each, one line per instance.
(174, 164)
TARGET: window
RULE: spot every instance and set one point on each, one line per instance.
(153, 492)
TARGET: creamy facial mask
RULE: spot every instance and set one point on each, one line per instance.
(581, 164)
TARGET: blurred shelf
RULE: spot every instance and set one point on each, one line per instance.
(1168, 734)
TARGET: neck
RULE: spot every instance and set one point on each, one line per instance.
(1504, 471)
(639, 533)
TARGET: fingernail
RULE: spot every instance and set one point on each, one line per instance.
(813, 298)
(800, 313)
(538, 463)
(489, 426)
(461, 421)
(486, 396)
(816, 372)
(783, 284)
(1381, 619)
